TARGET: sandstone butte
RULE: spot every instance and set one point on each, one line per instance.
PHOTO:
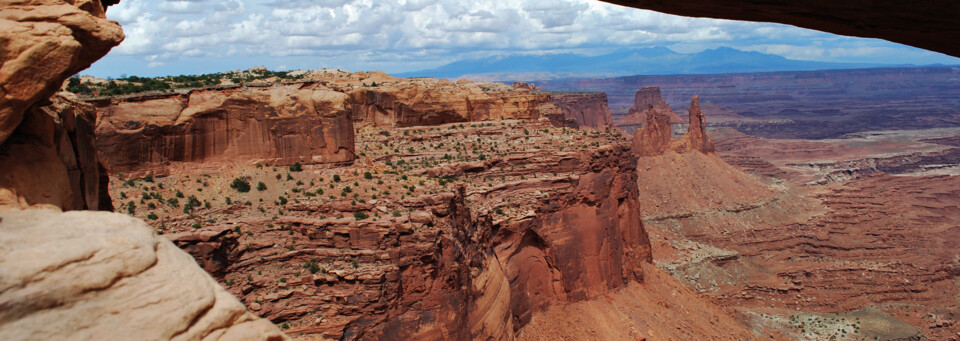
(644, 99)
(83, 275)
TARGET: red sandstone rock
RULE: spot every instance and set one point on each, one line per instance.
(51, 159)
(644, 99)
(696, 137)
(655, 137)
(304, 123)
(525, 86)
(583, 109)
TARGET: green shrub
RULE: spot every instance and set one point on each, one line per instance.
(336, 178)
(261, 186)
(152, 216)
(312, 266)
(296, 167)
(359, 215)
(367, 175)
(241, 184)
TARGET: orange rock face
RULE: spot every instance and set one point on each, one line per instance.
(696, 137)
(46, 41)
(644, 99)
(51, 159)
(46, 154)
(583, 110)
(475, 259)
(304, 123)
(656, 135)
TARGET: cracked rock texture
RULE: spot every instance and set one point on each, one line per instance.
(108, 276)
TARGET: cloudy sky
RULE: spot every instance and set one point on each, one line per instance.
(203, 36)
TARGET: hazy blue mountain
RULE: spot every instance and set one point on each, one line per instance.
(642, 61)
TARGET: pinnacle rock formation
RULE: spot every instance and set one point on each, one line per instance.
(655, 137)
(103, 276)
(696, 137)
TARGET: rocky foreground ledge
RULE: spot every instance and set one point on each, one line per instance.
(99, 275)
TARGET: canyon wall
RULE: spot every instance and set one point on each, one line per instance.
(284, 124)
(51, 158)
(583, 110)
(445, 270)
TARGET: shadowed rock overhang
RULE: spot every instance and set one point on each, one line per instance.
(931, 25)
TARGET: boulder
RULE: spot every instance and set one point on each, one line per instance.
(105, 276)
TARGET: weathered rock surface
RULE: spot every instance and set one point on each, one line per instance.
(443, 261)
(583, 110)
(47, 153)
(696, 137)
(929, 26)
(51, 158)
(384, 101)
(101, 276)
(644, 99)
(44, 42)
(656, 135)
(302, 122)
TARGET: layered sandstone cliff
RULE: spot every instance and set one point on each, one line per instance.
(588, 110)
(425, 246)
(44, 42)
(384, 101)
(284, 124)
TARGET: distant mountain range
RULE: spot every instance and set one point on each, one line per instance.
(642, 61)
